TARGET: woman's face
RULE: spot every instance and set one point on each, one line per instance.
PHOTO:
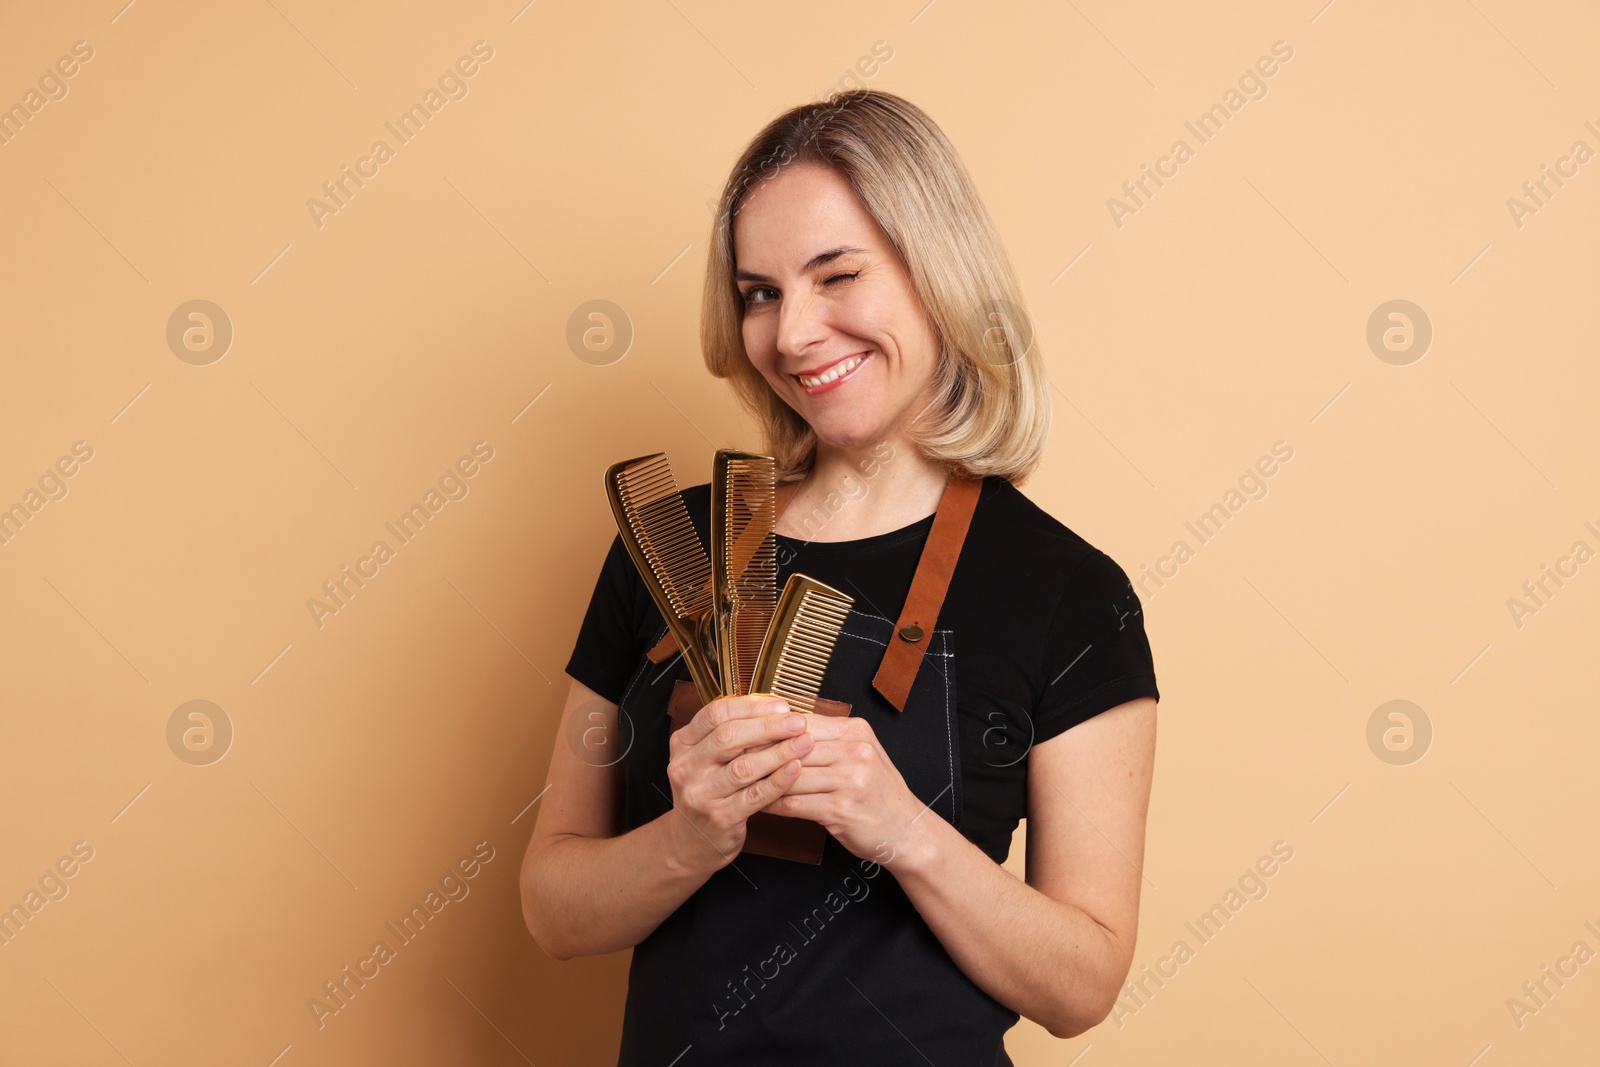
(825, 293)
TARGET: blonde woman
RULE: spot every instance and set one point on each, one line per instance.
(827, 888)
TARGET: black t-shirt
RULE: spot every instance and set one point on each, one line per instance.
(1047, 632)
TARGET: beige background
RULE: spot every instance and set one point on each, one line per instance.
(431, 312)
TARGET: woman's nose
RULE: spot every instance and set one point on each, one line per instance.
(801, 324)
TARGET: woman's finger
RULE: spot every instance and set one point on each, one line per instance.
(818, 780)
(750, 767)
(838, 750)
(729, 725)
(760, 794)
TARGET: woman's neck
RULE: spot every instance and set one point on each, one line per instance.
(850, 495)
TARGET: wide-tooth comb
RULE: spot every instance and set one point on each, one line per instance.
(659, 536)
(799, 642)
(744, 561)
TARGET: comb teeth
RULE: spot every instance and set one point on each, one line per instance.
(794, 656)
(654, 526)
(660, 522)
(746, 510)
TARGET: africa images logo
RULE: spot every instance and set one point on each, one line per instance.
(453, 886)
(453, 84)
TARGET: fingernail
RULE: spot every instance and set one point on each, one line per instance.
(793, 722)
(777, 707)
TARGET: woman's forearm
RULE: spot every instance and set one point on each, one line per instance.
(1042, 958)
(583, 896)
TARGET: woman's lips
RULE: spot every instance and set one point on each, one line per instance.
(827, 387)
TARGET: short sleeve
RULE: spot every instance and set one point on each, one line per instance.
(1097, 655)
(620, 620)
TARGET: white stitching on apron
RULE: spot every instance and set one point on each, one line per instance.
(949, 721)
(938, 647)
(644, 668)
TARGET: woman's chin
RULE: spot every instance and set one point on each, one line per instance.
(845, 435)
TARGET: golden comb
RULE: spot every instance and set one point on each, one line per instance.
(744, 561)
(734, 637)
(659, 536)
(799, 641)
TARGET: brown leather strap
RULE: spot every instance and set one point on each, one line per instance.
(663, 648)
(781, 496)
(901, 660)
(898, 669)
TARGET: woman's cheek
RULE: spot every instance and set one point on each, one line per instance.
(755, 343)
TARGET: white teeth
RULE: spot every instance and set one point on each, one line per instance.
(833, 372)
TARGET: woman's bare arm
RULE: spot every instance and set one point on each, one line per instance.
(585, 891)
(1057, 947)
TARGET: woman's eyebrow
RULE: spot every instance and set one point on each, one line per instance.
(811, 264)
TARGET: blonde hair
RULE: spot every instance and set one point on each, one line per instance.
(991, 405)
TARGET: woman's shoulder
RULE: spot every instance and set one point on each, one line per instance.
(1011, 522)
(1043, 561)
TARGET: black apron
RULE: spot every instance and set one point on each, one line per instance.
(778, 962)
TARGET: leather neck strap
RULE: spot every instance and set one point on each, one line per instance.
(898, 668)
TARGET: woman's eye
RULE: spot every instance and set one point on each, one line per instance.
(750, 295)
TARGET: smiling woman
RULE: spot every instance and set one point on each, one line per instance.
(993, 667)
(861, 211)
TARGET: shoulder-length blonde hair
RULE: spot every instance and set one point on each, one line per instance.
(991, 408)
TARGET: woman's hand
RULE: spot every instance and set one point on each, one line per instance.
(849, 785)
(733, 758)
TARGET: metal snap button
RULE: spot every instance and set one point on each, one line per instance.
(912, 633)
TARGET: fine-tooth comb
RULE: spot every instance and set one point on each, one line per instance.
(799, 642)
(744, 562)
(659, 536)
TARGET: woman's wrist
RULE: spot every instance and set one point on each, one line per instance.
(685, 851)
(918, 850)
